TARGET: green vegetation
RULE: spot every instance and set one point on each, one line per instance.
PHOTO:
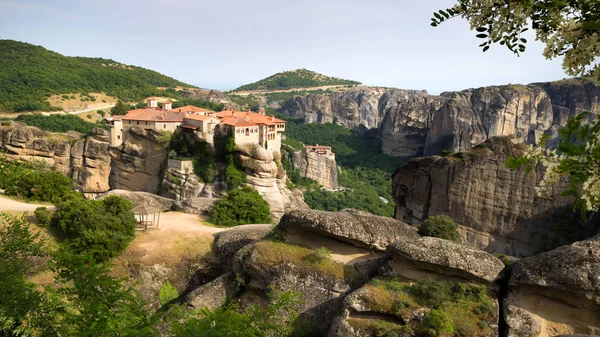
(240, 207)
(366, 171)
(300, 78)
(33, 181)
(167, 293)
(440, 226)
(119, 109)
(30, 74)
(100, 229)
(457, 309)
(59, 123)
(278, 319)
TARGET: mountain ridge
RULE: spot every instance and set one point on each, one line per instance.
(29, 74)
(291, 79)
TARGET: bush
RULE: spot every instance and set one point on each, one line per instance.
(440, 226)
(101, 113)
(99, 228)
(437, 324)
(43, 216)
(167, 293)
(233, 176)
(240, 207)
(27, 181)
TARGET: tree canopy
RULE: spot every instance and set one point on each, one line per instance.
(240, 207)
(569, 28)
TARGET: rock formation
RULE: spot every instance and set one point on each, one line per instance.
(362, 275)
(497, 207)
(213, 96)
(265, 174)
(85, 159)
(413, 123)
(138, 163)
(319, 167)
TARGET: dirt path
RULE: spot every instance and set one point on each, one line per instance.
(7, 204)
(185, 223)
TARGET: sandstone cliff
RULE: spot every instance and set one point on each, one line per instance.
(412, 123)
(319, 167)
(360, 109)
(138, 163)
(85, 159)
(265, 174)
(497, 207)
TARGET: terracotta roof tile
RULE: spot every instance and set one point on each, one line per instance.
(154, 115)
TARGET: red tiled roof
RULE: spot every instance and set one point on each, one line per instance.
(254, 117)
(236, 122)
(199, 117)
(188, 126)
(191, 108)
(155, 115)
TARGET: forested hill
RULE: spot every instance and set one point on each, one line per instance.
(30, 74)
(299, 78)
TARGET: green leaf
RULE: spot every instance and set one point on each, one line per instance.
(444, 14)
(523, 40)
(486, 48)
(434, 24)
(481, 29)
(439, 17)
(482, 36)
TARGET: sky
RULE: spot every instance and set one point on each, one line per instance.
(225, 43)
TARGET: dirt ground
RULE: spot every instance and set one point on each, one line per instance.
(11, 205)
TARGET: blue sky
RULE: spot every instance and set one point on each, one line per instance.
(223, 44)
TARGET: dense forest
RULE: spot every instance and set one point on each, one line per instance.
(59, 123)
(300, 78)
(30, 74)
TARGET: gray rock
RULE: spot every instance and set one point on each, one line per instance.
(448, 258)
(227, 243)
(198, 205)
(215, 293)
(360, 229)
(143, 198)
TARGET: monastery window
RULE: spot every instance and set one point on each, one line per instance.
(118, 137)
(164, 126)
(138, 122)
(247, 132)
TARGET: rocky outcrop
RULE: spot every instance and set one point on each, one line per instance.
(446, 258)
(213, 96)
(215, 293)
(85, 159)
(321, 168)
(557, 292)
(360, 229)
(137, 165)
(144, 198)
(266, 174)
(497, 208)
(227, 243)
(359, 109)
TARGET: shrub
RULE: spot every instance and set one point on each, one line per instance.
(167, 293)
(89, 116)
(437, 324)
(440, 226)
(33, 183)
(319, 255)
(240, 207)
(101, 113)
(65, 96)
(58, 123)
(100, 228)
(233, 176)
(119, 109)
(44, 216)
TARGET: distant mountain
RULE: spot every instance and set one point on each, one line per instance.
(299, 78)
(30, 74)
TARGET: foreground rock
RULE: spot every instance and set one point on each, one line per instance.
(557, 292)
(360, 229)
(227, 243)
(497, 208)
(85, 159)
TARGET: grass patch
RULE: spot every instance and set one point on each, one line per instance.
(466, 308)
(274, 253)
(379, 328)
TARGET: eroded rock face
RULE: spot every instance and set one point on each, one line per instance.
(319, 167)
(213, 96)
(360, 229)
(266, 174)
(359, 109)
(215, 293)
(497, 208)
(447, 258)
(85, 159)
(559, 290)
(227, 243)
(138, 163)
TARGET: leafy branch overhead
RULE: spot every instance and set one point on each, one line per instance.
(569, 28)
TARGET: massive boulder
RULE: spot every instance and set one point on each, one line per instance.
(137, 164)
(143, 198)
(498, 208)
(227, 243)
(85, 159)
(360, 229)
(319, 167)
(557, 292)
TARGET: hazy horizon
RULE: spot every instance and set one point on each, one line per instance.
(227, 44)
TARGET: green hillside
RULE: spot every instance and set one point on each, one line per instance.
(300, 78)
(29, 74)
